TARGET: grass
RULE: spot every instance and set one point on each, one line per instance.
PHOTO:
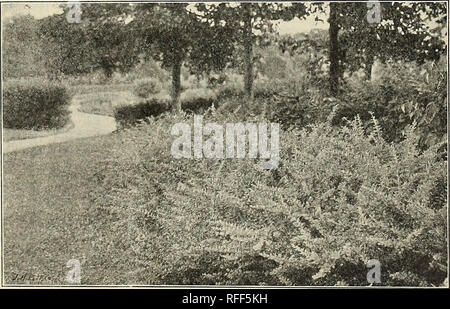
(18, 134)
(48, 219)
(104, 103)
(48, 216)
(49, 213)
(85, 89)
(103, 99)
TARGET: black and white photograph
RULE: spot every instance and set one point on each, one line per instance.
(229, 144)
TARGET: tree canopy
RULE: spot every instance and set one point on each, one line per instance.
(208, 36)
(21, 52)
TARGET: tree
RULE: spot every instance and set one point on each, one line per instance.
(22, 56)
(76, 48)
(404, 33)
(250, 23)
(168, 32)
(334, 48)
(248, 47)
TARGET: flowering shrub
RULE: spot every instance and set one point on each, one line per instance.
(339, 198)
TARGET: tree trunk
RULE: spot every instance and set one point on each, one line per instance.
(176, 84)
(368, 67)
(108, 72)
(334, 49)
(248, 46)
(108, 68)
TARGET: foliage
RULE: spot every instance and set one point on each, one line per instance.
(144, 88)
(129, 115)
(272, 64)
(403, 94)
(404, 33)
(149, 69)
(407, 31)
(102, 102)
(339, 198)
(192, 101)
(362, 174)
(248, 24)
(34, 104)
(399, 93)
(21, 48)
(198, 100)
(174, 34)
(94, 43)
(232, 87)
(307, 55)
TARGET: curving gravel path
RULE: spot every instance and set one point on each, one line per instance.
(85, 125)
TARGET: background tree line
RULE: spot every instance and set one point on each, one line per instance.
(207, 37)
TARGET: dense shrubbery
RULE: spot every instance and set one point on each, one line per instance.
(339, 198)
(397, 99)
(34, 105)
(363, 172)
(198, 100)
(144, 88)
(404, 93)
(149, 68)
(233, 87)
(192, 101)
(129, 115)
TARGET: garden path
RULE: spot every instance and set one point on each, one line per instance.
(85, 125)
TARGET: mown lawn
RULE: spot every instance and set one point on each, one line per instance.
(17, 134)
(89, 88)
(48, 219)
(104, 103)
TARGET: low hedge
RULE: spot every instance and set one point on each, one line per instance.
(35, 105)
(191, 102)
(130, 115)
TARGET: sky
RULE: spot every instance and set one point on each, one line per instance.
(38, 10)
(41, 10)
